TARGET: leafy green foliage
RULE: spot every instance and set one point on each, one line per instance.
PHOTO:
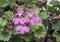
(55, 2)
(35, 1)
(15, 32)
(57, 35)
(43, 15)
(5, 36)
(1, 29)
(41, 32)
(56, 25)
(3, 22)
(4, 3)
(26, 37)
(9, 14)
(15, 38)
(37, 32)
(36, 27)
(53, 10)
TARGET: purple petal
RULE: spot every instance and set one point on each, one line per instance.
(20, 12)
(27, 20)
(31, 22)
(18, 28)
(37, 19)
(29, 14)
(40, 20)
(22, 31)
(22, 20)
(26, 29)
(16, 21)
(34, 11)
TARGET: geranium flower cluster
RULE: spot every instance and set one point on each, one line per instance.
(24, 22)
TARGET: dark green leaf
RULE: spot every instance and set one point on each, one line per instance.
(5, 36)
(26, 37)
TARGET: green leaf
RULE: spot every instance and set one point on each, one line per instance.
(56, 25)
(54, 2)
(43, 15)
(9, 14)
(15, 32)
(26, 37)
(41, 32)
(5, 36)
(4, 3)
(22, 1)
(3, 22)
(1, 29)
(16, 38)
(34, 1)
(52, 9)
(36, 27)
(57, 35)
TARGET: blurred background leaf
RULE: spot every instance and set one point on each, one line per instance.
(57, 35)
(43, 15)
(4, 3)
(56, 25)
